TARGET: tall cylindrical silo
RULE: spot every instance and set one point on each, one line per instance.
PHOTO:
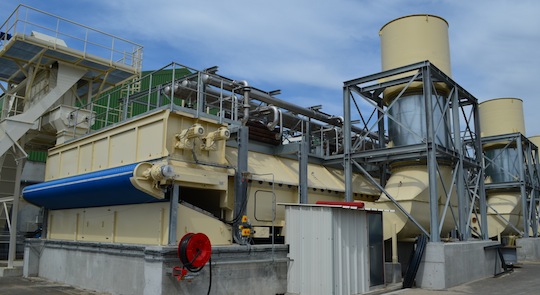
(404, 41)
(498, 117)
(536, 140)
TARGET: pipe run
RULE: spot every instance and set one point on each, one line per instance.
(267, 98)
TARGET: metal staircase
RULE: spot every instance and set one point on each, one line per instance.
(15, 127)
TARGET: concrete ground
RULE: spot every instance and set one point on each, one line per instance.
(523, 280)
(35, 286)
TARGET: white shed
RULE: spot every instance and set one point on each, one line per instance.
(334, 249)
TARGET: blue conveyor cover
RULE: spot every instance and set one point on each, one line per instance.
(101, 188)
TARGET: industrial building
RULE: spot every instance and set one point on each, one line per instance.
(180, 180)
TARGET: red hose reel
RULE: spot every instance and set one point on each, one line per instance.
(194, 251)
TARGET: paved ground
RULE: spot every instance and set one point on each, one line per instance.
(523, 281)
(35, 286)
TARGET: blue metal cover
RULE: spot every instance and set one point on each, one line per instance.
(95, 189)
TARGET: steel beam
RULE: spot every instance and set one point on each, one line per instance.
(173, 213)
(303, 155)
(15, 213)
(347, 142)
(431, 160)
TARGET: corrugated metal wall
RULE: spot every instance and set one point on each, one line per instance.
(309, 235)
(351, 251)
(329, 250)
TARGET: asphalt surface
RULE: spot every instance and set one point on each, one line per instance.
(35, 286)
(524, 280)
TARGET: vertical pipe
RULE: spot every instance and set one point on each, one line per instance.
(347, 143)
(14, 214)
(522, 187)
(173, 213)
(431, 157)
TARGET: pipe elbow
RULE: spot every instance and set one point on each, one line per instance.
(275, 119)
(241, 83)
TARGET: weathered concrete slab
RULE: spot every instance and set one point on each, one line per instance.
(445, 265)
(528, 249)
(139, 269)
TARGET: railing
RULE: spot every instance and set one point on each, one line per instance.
(25, 20)
(157, 90)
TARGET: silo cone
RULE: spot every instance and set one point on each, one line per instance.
(404, 41)
(409, 185)
(497, 117)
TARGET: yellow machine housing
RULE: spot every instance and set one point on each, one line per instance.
(192, 152)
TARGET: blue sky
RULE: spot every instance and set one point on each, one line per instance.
(308, 48)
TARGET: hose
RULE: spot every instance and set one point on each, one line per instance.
(414, 261)
(182, 254)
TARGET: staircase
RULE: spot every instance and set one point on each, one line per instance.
(15, 127)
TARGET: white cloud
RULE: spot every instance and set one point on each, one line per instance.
(308, 48)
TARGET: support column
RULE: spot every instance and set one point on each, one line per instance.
(303, 156)
(431, 158)
(522, 188)
(240, 182)
(481, 187)
(14, 213)
(173, 213)
(463, 204)
(382, 143)
(347, 164)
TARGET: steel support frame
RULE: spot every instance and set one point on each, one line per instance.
(174, 196)
(240, 181)
(527, 182)
(465, 153)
